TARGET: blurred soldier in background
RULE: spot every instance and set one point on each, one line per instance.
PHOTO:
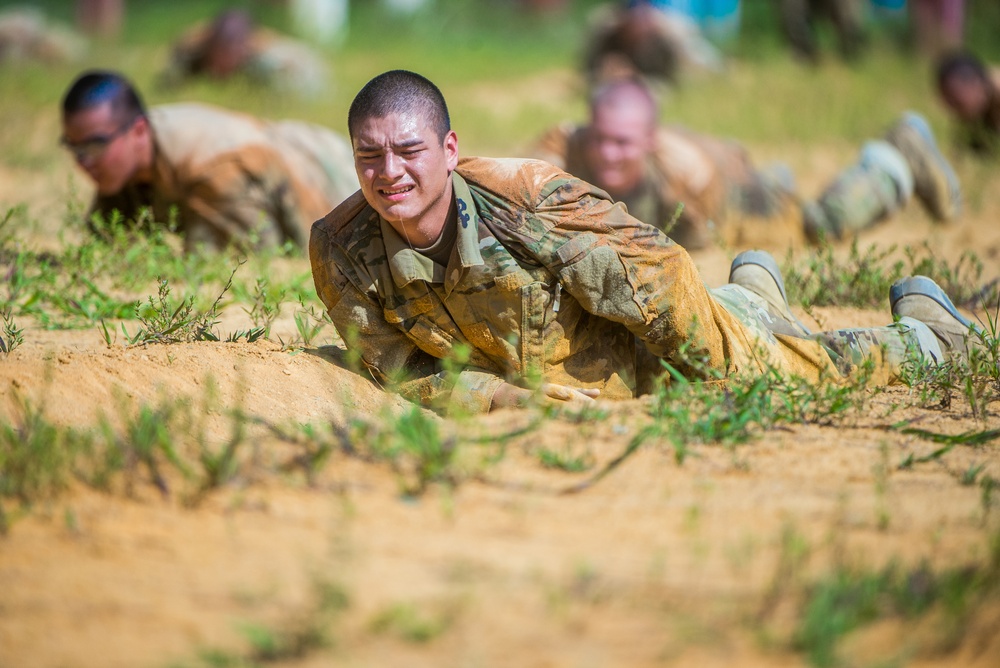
(719, 19)
(652, 168)
(222, 177)
(799, 19)
(231, 45)
(635, 39)
(26, 36)
(102, 18)
(971, 92)
(938, 25)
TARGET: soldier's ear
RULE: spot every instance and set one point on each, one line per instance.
(451, 150)
(141, 126)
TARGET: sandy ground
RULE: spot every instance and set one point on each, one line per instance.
(659, 563)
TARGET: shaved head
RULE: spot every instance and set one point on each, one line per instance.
(625, 94)
(620, 136)
(400, 92)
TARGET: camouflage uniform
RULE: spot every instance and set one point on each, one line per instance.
(275, 61)
(723, 193)
(549, 279)
(225, 176)
(889, 172)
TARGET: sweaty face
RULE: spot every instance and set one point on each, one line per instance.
(967, 97)
(103, 146)
(619, 139)
(405, 172)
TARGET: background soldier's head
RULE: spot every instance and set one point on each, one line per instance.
(227, 46)
(620, 136)
(105, 128)
(965, 86)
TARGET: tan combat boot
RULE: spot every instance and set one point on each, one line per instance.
(758, 272)
(922, 299)
(934, 180)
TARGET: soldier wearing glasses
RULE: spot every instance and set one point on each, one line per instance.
(221, 177)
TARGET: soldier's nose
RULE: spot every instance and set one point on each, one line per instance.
(393, 166)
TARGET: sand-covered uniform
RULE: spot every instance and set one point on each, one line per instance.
(548, 280)
(721, 189)
(224, 177)
(274, 61)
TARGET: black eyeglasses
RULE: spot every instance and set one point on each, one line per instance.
(94, 147)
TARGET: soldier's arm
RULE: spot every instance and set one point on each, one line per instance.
(623, 270)
(236, 201)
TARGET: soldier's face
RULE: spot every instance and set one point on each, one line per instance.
(104, 146)
(966, 96)
(618, 141)
(405, 171)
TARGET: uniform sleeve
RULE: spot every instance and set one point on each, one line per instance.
(626, 271)
(391, 356)
(686, 174)
(234, 201)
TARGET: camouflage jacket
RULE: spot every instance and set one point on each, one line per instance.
(549, 279)
(225, 177)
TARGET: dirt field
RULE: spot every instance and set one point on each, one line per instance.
(707, 562)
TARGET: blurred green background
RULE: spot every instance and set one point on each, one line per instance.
(508, 74)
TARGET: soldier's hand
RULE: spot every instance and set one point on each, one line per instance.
(511, 396)
(570, 394)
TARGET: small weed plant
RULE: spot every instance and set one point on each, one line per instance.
(413, 445)
(731, 411)
(975, 376)
(863, 279)
(301, 635)
(36, 457)
(13, 336)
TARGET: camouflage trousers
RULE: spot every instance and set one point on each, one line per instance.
(881, 351)
(880, 183)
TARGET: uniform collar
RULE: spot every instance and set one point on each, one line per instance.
(467, 242)
(408, 265)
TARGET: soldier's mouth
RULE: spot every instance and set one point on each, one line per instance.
(397, 193)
